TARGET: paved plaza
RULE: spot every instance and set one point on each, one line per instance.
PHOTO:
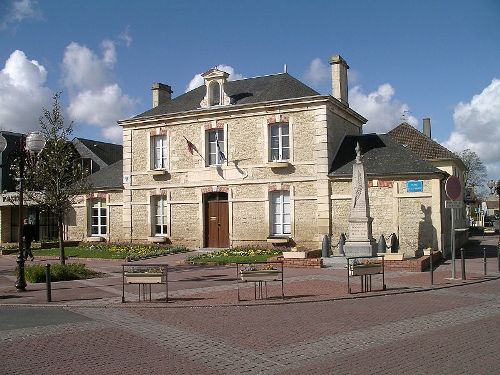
(412, 328)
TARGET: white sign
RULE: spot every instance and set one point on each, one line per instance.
(126, 179)
(453, 204)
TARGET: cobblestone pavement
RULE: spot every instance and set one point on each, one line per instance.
(451, 328)
(446, 331)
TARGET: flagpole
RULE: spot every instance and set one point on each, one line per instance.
(194, 148)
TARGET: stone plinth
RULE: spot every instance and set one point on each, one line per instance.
(360, 249)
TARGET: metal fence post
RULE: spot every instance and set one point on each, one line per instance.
(431, 268)
(47, 282)
(485, 261)
(462, 254)
(498, 257)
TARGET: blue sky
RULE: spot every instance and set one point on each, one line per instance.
(437, 59)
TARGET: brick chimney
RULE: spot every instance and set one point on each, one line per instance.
(339, 78)
(427, 127)
(161, 94)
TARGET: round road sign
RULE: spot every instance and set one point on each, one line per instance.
(453, 188)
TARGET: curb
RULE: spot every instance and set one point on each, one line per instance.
(163, 305)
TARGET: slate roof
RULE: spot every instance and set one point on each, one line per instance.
(110, 177)
(381, 155)
(245, 91)
(109, 153)
(420, 144)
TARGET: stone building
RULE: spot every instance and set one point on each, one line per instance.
(94, 156)
(235, 162)
(263, 160)
(422, 144)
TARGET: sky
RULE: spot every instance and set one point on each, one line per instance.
(408, 59)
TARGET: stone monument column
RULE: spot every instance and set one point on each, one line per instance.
(360, 241)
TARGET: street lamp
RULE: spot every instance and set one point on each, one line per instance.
(33, 143)
(495, 188)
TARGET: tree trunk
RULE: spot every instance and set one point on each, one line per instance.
(62, 258)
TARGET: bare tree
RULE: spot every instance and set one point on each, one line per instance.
(475, 171)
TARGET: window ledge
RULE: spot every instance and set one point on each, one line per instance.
(95, 239)
(278, 164)
(157, 239)
(157, 172)
(278, 239)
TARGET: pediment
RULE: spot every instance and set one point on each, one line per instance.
(215, 73)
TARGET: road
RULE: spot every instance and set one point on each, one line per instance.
(447, 331)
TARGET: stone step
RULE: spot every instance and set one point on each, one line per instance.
(335, 262)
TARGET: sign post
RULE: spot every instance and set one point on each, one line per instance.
(453, 190)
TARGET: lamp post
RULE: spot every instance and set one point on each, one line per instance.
(32, 143)
(495, 188)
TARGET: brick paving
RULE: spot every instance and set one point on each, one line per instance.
(318, 328)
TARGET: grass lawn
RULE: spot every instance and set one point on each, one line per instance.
(81, 252)
(113, 251)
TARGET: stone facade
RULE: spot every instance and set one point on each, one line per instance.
(315, 129)
(413, 217)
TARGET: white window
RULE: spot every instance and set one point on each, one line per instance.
(280, 213)
(279, 143)
(215, 147)
(98, 218)
(214, 93)
(160, 216)
(159, 152)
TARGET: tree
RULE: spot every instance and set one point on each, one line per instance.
(475, 171)
(54, 180)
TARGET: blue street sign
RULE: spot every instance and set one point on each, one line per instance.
(415, 186)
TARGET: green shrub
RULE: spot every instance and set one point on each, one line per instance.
(59, 272)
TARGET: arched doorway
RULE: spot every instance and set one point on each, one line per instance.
(216, 220)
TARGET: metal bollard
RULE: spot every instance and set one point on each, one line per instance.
(432, 268)
(485, 261)
(462, 254)
(498, 256)
(325, 247)
(47, 282)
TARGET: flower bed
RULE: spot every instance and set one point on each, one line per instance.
(236, 255)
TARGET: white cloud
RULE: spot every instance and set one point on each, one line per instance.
(113, 133)
(125, 36)
(23, 93)
(94, 98)
(19, 11)
(100, 107)
(380, 108)
(318, 72)
(109, 53)
(198, 80)
(477, 127)
(83, 69)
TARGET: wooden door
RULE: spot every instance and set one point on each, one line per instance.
(217, 224)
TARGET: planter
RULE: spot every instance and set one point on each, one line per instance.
(143, 278)
(427, 251)
(260, 275)
(294, 255)
(365, 269)
(392, 256)
(278, 239)
(157, 239)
